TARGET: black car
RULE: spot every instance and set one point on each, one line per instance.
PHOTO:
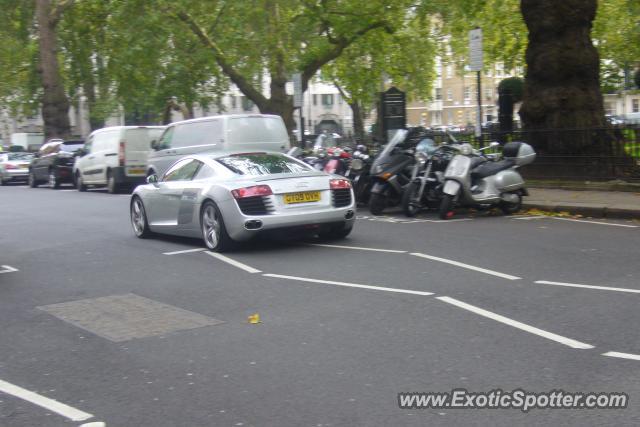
(53, 163)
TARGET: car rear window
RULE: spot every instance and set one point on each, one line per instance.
(70, 148)
(262, 164)
(19, 156)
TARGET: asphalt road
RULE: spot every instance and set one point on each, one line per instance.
(117, 331)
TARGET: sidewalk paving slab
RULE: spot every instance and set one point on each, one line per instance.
(597, 204)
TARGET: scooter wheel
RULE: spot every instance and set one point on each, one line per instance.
(377, 203)
(446, 207)
(511, 208)
(410, 204)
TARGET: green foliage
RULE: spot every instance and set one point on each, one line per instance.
(514, 85)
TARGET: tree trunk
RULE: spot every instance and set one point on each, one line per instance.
(358, 121)
(279, 103)
(55, 104)
(562, 87)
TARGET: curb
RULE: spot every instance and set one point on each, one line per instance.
(587, 209)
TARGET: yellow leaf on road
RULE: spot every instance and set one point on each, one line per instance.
(254, 318)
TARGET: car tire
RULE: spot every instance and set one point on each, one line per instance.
(112, 185)
(377, 203)
(80, 185)
(214, 232)
(54, 181)
(33, 183)
(139, 220)
(336, 233)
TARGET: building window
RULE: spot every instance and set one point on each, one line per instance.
(449, 71)
(438, 94)
(450, 118)
(635, 105)
(467, 93)
(449, 94)
(327, 99)
(315, 99)
(488, 94)
(608, 108)
(234, 104)
(339, 99)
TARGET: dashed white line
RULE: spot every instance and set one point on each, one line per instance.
(523, 326)
(622, 355)
(576, 285)
(467, 266)
(186, 251)
(54, 406)
(233, 262)
(612, 224)
(350, 285)
(358, 248)
(8, 269)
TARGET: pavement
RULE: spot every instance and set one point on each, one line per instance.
(588, 203)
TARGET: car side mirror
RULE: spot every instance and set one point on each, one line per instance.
(152, 179)
(155, 145)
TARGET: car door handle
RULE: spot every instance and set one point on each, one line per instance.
(91, 157)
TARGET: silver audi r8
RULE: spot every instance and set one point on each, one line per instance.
(231, 197)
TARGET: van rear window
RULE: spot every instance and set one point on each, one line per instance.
(247, 130)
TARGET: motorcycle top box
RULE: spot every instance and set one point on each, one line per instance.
(518, 152)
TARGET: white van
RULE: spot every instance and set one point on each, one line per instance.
(115, 157)
(234, 132)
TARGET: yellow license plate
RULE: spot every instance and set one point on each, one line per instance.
(135, 171)
(303, 197)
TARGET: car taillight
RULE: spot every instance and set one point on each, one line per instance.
(339, 184)
(10, 166)
(121, 153)
(257, 190)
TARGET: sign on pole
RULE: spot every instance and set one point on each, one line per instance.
(394, 116)
(297, 90)
(475, 50)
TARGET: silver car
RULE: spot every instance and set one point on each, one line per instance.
(231, 197)
(14, 167)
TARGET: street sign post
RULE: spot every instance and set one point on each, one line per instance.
(298, 102)
(475, 64)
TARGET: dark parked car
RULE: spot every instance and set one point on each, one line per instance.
(53, 163)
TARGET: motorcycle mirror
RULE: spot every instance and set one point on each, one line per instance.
(294, 152)
(494, 144)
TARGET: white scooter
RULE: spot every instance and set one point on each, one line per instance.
(472, 180)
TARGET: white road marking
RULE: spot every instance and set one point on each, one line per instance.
(186, 251)
(358, 248)
(412, 221)
(622, 355)
(576, 285)
(350, 285)
(467, 266)
(233, 262)
(94, 424)
(68, 189)
(54, 406)
(595, 222)
(527, 218)
(523, 326)
(8, 269)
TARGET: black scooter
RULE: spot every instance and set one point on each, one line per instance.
(391, 172)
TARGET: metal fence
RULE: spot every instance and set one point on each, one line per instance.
(618, 151)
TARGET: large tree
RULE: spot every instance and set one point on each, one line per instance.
(562, 87)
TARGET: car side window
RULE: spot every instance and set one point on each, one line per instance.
(184, 170)
(166, 139)
(88, 145)
(205, 172)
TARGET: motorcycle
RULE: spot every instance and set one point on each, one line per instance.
(471, 179)
(427, 178)
(338, 161)
(391, 172)
(359, 173)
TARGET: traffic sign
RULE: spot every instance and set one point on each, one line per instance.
(475, 50)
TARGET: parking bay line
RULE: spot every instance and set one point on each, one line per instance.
(8, 269)
(59, 408)
(186, 251)
(233, 262)
(350, 285)
(622, 355)
(576, 285)
(358, 248)
(467, 266)
(595, 222)
(519, 325)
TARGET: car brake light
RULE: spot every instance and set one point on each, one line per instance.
(257, 190)
(121, 153)
(10, 166)
(339, 184)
